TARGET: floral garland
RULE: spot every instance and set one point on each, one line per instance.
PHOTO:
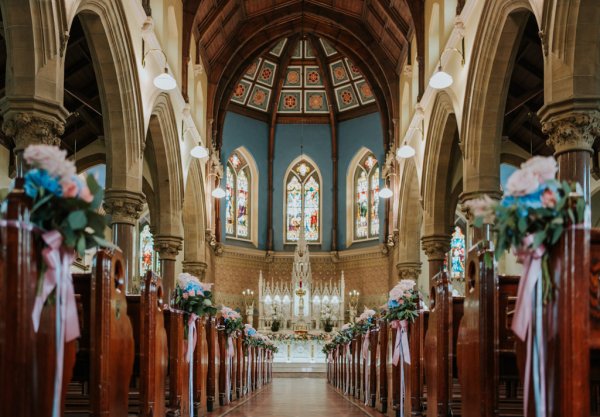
(533, 214)
(256, 339)
(301, 337)
(365, 322)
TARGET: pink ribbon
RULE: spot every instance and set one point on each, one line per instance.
(191, 346)
(401, 347)
(367, 358)
(524, 318)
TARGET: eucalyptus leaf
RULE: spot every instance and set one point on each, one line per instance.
(77, 220)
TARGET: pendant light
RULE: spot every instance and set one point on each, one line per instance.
(385, 192)
(199, 151)
(218, 192)
(405, 151)
(441, 79)
(164, 80)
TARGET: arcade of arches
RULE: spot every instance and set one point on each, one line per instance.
(299, 109)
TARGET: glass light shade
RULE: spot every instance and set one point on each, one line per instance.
(165, 81)
(440, 80)
(385, 192)
(405, 151)
(218, 192)
(199, 152)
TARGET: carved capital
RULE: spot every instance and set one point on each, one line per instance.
(408, 270)
(168, 247)
(196, 268)
(436, 246)
(473, 195)
(124, 206)
(29, 128)
(211, 238)
(574, 131)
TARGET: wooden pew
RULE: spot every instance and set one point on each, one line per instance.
(239, 391)
(373, 366)
(594, 338)
(200, 368)
(358, 386)
(212, 389)
(383, 363)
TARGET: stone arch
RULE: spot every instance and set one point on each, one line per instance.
(194, 222)
(500, 30)
(410, 218)
(162, 146)
(436, 182)
(118, 83)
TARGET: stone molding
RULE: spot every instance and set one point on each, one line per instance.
(29, 128)
(124, 206)
(436, 246)
(573, 131)
(196, 268)
(168, 247)
(408, 270)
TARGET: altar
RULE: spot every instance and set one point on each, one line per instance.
(306, 348)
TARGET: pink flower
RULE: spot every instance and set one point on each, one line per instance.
(482, 207)
(185, 295)
(70, 189)
(85, 194)
(548, 198)
(543, 167)
(522, 182)
(192, 293)
(51, 159)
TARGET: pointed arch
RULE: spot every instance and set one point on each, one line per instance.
(114, 62)
(194, 215)
(242, 202)
(499, 31)
(163, 147)
(361, 173)
(302, 190)
(410, 217)
(438, 212)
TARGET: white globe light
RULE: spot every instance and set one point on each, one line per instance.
(218, 192)
(165, 81)
(440, 80)
(405, 151)
(199, 152)
(385, 192)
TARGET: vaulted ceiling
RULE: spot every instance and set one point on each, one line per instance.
(231, 34)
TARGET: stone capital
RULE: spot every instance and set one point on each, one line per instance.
(572, 131)
(124, 206)
(30, 128)
(196, 268)
(436, 246)
(168, 247)
(408, 270)
(467, 196)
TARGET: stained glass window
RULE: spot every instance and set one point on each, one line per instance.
(366, 198)
(237, 197)
(146, 250)
(303, 189)
(457, 253)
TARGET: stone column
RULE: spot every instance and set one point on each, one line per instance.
(32, 128)
(168, 248)
(408, 270)
(571, 134)
(196, 268)
(125, 208)
(435, 247)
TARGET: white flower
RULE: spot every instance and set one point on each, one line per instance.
(401, 288)
(483, 207)
(51, 159)
(543, 167)
(522, 182)
(346, 326)
(367, 314)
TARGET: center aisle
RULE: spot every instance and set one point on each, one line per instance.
(297, 397)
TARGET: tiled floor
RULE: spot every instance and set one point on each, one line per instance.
(297, 397)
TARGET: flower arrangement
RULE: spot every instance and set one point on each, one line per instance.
(193, 296)
(533, 213)
(232, 319)
(403, 302)
(301, 337)
(365, 321)
(253, 338)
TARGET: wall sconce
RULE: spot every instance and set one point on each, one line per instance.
(163, 81)
(441, 79)
(217, 192)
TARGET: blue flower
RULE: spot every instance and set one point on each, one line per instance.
(37, 179)
(393, 304)
(251, 332)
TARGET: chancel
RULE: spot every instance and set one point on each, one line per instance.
(299, 208)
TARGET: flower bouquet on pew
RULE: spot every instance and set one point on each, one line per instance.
(402, 307)
(194, 298)
(533, 214)
(233, 320)
(365, 322)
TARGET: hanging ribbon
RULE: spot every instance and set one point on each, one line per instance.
(401, 355)
(230, 353)
(367, 361)
(347, 361)
(527, 324)
(191, 346)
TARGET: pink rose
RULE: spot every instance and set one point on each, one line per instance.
(192, 293)
(70, 189)
(482, 207)
(51, 159)
(548, 198)
(543, 167)
(185, 296)
(522, 182)
(85, 194)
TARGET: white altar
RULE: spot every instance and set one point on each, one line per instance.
(299, 351)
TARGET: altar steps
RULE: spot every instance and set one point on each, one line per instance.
(299, 370)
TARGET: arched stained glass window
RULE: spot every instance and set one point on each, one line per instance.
(366, 198)
(303, 190)
(237, 197)
(457, 254)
